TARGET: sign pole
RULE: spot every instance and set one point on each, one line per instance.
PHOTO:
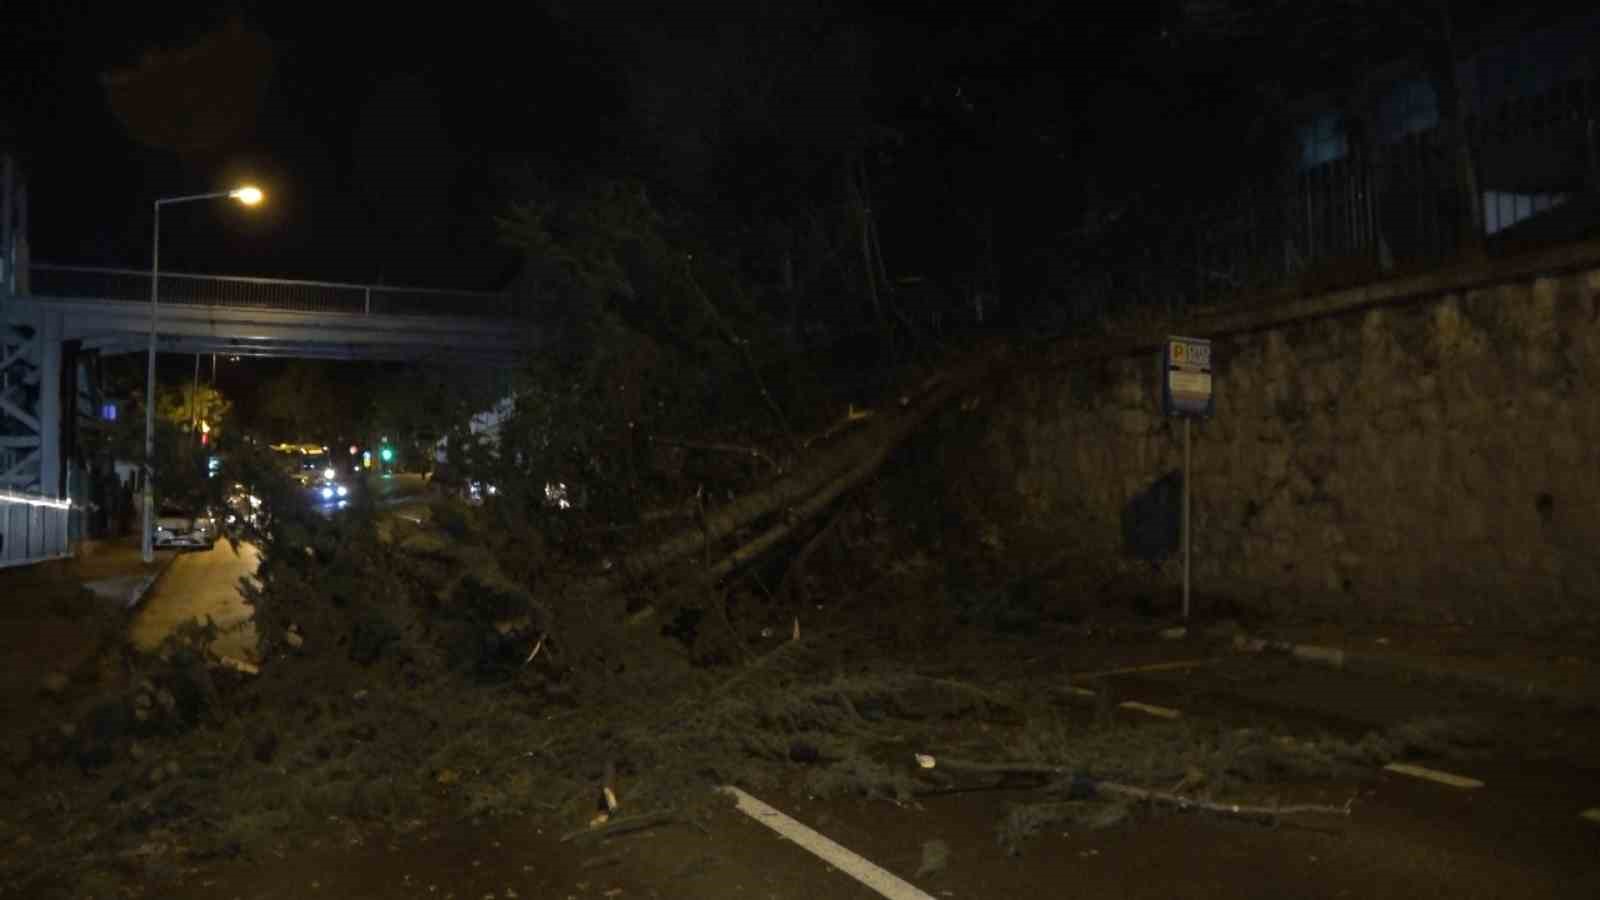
(1187, 391)
(1186, 537)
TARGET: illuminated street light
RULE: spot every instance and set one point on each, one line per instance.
(249, 195)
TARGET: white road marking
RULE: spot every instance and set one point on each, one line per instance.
(1079, 692)
(1592, 815)
(1164, 712)
(1434, 775)
(841, 858)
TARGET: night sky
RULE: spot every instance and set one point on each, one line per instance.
(382, 143)
(388, 143)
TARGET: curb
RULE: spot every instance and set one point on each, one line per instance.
(1391, 666)
(149, 581)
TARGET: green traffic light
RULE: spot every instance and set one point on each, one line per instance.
(387, 454)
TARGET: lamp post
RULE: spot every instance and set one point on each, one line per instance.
(249, 196)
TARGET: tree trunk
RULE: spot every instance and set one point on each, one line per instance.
(858, 198)
(808, 491)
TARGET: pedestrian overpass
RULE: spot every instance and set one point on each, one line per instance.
(52, 315)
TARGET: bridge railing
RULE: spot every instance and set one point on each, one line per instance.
(50, 281)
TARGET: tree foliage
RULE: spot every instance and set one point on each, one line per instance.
(648, 334)
(193, 403)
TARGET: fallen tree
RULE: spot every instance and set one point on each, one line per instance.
(809, 489)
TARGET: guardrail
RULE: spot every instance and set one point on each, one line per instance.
(33, 529)
(49, 281)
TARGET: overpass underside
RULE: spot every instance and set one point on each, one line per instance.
(114, 326)
(50, 315)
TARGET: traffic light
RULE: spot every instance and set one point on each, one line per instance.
(386, 454)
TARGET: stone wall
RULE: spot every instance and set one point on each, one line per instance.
(1423, 452)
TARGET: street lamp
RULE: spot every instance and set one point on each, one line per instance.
(249, 195)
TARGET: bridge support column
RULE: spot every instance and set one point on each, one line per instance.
(32, 408)
(48, 341)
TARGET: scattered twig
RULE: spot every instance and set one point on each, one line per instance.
(1091, 787)
(1154, 667)
(624, 825)
(1243, 811)
(536, 648)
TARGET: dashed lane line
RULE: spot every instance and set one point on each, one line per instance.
(845, 860)
(1434, 775)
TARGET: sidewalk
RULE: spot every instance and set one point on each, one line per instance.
(49, 627)
(1564, 668)
(97, 563)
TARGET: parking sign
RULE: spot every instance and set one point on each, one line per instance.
(1186, 386)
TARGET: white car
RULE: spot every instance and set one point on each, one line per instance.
(180, 528)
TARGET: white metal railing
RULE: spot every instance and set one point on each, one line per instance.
(50, 281)
(33, 528)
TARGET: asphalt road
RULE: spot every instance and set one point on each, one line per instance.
(205, 583)
(202, 583)
(396, 488)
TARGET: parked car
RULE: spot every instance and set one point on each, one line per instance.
(243, 509)
(182, 528)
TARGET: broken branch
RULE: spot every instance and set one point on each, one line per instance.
(1091, 787)
(1237, 810)
(851, 417)
(620, 826)
(718, 447)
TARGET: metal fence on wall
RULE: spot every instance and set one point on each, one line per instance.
(1403, 203)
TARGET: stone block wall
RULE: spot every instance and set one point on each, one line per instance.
(1430, 459)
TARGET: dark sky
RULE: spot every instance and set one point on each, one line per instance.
(379, 140)
(339, 206)
(382, 139)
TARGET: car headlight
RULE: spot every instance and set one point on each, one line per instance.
(329, 474)
(343, 490)
(327, 493)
